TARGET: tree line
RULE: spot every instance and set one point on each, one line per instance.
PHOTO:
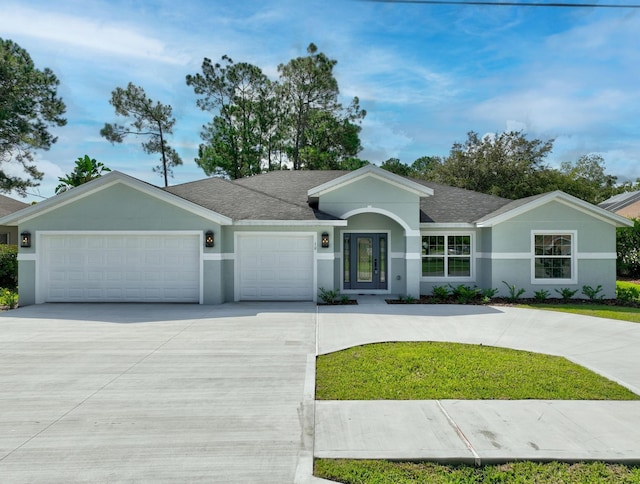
(259, 124)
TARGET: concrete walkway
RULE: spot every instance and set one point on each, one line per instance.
(483, 431)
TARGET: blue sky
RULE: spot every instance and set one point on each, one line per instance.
(426, 74)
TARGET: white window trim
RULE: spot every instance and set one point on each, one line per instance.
(445, 278)
(574, 258)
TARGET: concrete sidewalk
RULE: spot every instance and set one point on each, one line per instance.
(480, 431)
(484, 431)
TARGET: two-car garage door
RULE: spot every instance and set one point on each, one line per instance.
(119, 267)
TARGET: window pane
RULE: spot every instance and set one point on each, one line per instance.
(364, 271)
(383, 258)
(347, 259)
(433, 245)
(459, 244)
(433, 266)
(553, 268)
(459, 267)
(559, 244)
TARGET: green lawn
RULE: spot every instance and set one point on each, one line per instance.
(598, 310)
(385, 472)
(621, 313)
(430, 370)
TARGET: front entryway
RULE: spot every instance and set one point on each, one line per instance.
(365, 261)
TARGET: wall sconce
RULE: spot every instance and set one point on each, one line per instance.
(324, 242)
(208, 238)
(25, 239)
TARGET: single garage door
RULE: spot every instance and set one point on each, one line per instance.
(275, 267)
(119, 267)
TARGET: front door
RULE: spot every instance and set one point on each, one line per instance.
(365, 261)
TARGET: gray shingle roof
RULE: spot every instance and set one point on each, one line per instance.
(282, 195)
(456, 205)
(239, 199)
(9, 205)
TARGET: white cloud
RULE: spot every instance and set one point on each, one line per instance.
(86, 34)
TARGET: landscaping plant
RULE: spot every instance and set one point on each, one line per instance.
(566, 294)
(514, 292)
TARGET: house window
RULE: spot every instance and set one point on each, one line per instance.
(4, 238)
(553, 256)
(446, 256)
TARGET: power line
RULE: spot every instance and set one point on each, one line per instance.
(510, 4)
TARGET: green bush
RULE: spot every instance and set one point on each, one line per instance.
(627, 248)
(593, 294)
(514, 292)
(566, 293)
(440, 293)
(464, 294)
(541, 295)
(328, 296)
(8, 298)
(9, 266)
(627, 294)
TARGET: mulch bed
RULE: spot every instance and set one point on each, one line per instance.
(498, 301)
(350, 302)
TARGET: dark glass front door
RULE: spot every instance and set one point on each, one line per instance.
(365, 261)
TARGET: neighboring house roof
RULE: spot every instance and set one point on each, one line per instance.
(9, 205)
(620, 201)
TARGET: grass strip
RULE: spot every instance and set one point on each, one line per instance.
(433, 370)
(385, 472)
(597, 310)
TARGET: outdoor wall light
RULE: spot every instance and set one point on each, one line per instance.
(208, 238)
(325, 240)
(25, 239)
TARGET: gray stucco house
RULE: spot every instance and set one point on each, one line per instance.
(285, 234)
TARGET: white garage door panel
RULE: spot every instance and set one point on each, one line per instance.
(275, 267)
(120, 267)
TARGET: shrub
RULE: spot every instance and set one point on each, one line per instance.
(440, 293)
(8, 298)
(566, 293)
(464, 294)
(627, 243)
(328, 296)
(409, 299)
(592, 293)
(541, 295)
(9, 266)
(627, 294)
(514, 292)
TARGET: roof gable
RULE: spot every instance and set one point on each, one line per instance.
(523, 205)
(375, 172)
(99, 184)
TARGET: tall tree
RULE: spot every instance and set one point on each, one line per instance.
(587, 179)
(144, 118)
(29, 106)
(242, 98)
(507, 164)
(310, 94)
(86, 169)
(394, 165)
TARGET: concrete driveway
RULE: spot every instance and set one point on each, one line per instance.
(155, 393)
